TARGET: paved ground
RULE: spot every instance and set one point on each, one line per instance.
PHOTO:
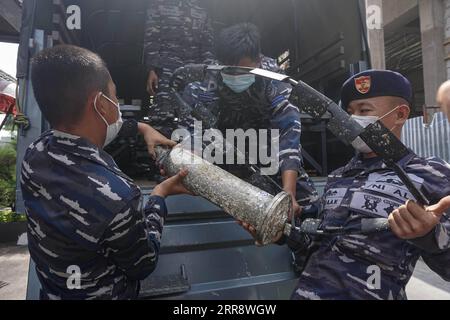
(14, 260)
(426, 285)
(14, 271)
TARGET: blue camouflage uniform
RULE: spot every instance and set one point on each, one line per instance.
(264, 105)
(177, 33)
(376, 265)
(83, 211)
(340, 267)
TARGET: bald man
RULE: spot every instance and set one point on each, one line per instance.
(443, 98)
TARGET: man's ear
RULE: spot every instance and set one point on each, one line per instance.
(95, 100)
(403, 113)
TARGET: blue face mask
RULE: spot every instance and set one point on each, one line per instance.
(238, 83)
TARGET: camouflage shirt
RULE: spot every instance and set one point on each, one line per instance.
(84, 216)
(265, 105)
(346, 266)
(177, 32)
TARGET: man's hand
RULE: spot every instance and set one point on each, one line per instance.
(412, 221)
(152, 83)
(172, 186)
(153, 138)
(250, 229)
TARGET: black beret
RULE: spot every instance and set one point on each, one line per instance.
(375, 83)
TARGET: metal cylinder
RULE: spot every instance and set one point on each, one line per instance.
(243, 201)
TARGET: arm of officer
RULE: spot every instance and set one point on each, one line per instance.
(427, 228)
(286, 118)
(152, 137)
(201, 103)
(439, 237)
(439, 262)
(132, 239)
(189, 97)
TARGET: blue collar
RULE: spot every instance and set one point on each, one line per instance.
(81, 147)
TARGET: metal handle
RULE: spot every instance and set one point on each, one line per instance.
(312, 227)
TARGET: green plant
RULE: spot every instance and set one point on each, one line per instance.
(7, 175)
(7, 215)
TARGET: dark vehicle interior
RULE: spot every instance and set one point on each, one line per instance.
(205, 254)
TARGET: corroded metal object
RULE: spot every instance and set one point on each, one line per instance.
(267, 213)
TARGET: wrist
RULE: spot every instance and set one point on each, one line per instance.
(428, 242)
(159, 192)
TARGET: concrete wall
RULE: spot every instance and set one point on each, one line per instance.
(375, 33)
(435, 35)
(399, 12)
(432, 29)
(10, 19)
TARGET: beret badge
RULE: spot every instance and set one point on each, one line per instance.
(363, 84)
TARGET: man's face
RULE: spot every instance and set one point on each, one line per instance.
(380, 107)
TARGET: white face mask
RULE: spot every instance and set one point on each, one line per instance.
(365, 121)
(112, 130)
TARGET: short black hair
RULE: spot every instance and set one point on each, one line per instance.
(63, 77)
(237, 42)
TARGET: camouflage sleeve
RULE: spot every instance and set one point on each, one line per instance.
(436, 245)
(207, 40)
(437, 253)
(152, 37)
(286, 118)
(439, 263)
(437, 240)
(190, 99)
(155, 213)
(202, 106)
(132, 239)
(436, 185)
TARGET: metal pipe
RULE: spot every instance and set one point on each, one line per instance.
(245, 202)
